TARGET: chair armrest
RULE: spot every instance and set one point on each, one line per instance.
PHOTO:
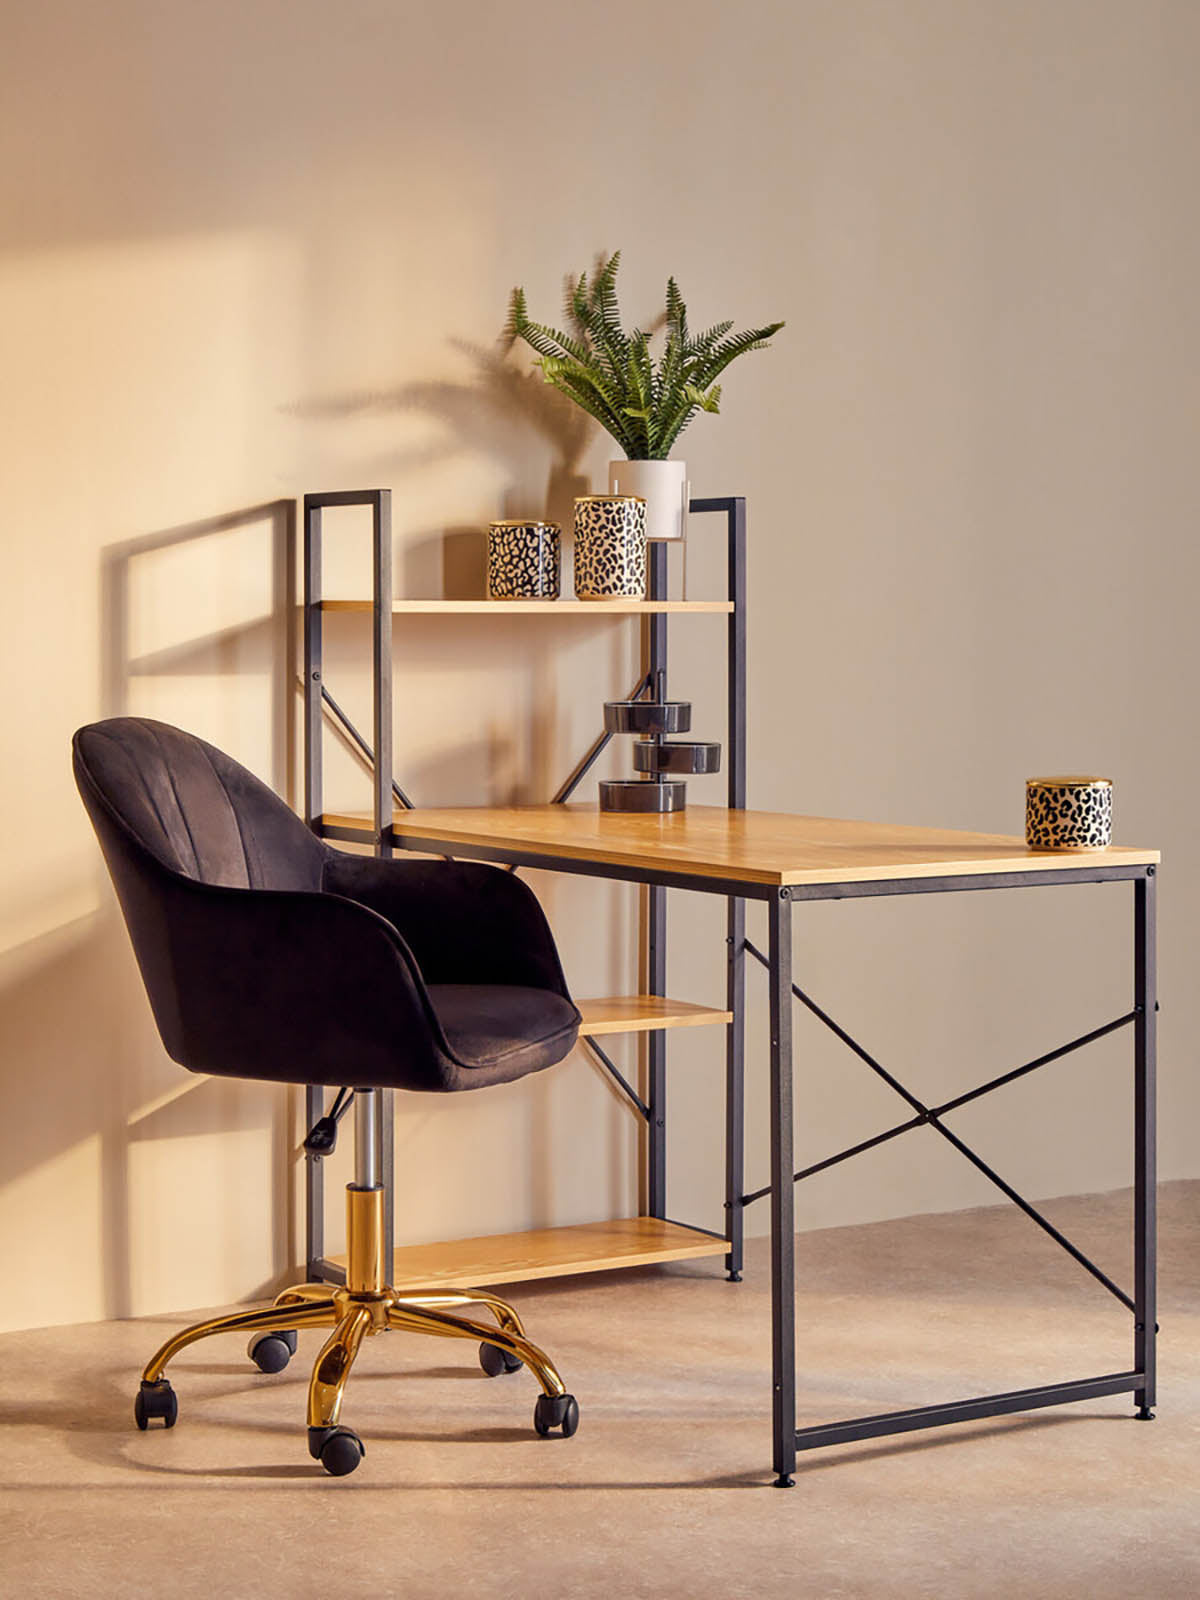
(291, 986)
(463, 921)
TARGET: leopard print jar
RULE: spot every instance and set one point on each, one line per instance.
(523, 561)
(1068, 813)
(610, 547)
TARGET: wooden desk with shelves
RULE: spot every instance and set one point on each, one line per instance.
(739, 855)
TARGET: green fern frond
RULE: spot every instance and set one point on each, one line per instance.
(604, 296)
(517, 314)
(729, 349)
(578, 377)
(706, 402)
(704, 342)
(676, 314)
(568, 381)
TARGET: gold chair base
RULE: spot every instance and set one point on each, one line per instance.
(357, 1312)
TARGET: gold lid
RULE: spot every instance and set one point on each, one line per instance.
(586, 499)
(524, 522)
(1068, 782)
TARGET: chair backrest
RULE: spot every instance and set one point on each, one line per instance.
(193, 808)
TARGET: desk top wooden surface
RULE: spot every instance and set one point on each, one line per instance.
(761, 847)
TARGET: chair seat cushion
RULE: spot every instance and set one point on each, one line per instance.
(499, 1032)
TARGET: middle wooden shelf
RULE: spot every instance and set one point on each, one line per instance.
(641, 1013)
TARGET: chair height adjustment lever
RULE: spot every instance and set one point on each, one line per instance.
(322, 1136)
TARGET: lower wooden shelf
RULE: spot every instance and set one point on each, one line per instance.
(548, 1253)
(639, 1013)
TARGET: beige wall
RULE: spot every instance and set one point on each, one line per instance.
(252, 249)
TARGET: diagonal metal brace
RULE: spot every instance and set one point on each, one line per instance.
(614, 1072)
(364, 748)
(588, 760)
(584, 766)
(930, 1116)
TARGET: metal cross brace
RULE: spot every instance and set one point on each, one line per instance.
(930, 1116)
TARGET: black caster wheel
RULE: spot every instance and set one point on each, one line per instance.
(271, 1352)
(494, 1361)
(155, 1400)
(555, 1411)
(339, 1450)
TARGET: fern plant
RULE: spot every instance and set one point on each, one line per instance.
(644, 403)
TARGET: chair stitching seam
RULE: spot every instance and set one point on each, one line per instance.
(237, 821)
(149, 793)
(174, 790)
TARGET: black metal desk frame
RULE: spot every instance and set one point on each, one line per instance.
(1139, 1380)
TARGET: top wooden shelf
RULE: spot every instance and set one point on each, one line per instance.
(531, 608)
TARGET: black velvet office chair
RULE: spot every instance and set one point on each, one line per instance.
(267, 954)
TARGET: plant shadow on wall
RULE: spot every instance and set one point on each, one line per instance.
(87, 1067)
(505, 412)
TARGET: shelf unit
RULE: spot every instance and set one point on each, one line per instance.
(588, 1247)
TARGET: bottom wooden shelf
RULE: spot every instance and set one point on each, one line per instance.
(548, 1253)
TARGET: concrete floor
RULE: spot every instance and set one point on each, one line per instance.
(664, 1491)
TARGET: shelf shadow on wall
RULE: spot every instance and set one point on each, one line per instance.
(265, 643)
(143, 1096)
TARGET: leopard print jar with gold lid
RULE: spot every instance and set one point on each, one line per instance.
(1068, 813)
(523, 561)
(610, 547)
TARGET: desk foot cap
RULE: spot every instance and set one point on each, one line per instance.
(1145, 1414)
(785, 1481)
(734, 1277)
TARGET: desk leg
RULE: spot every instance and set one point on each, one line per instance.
(1144, 1198)
(656, 1097)
(735, 1086)
(783, 1224)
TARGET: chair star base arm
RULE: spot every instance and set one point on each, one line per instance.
(299, 1293)
(445, 1299)
(332, 1368)
(420, 1319)
(274, 1319)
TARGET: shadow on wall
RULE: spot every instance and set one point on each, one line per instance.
(264, 643)
(111, 1082)
(503, 410)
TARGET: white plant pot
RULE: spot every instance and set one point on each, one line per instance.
(663, 485)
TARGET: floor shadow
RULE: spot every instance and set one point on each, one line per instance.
(112, 1452)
